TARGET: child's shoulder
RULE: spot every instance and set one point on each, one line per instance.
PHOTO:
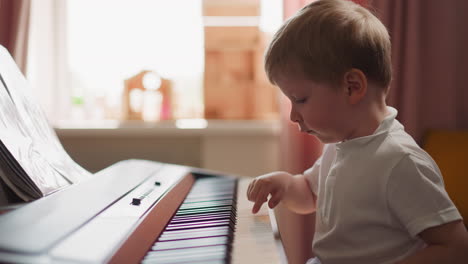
(410, 155)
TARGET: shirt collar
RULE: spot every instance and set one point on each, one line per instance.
(385, 126)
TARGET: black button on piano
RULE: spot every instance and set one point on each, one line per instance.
(192, 216)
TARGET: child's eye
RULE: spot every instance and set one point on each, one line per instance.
(300, 101)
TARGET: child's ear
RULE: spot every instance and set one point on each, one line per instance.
(355, 83)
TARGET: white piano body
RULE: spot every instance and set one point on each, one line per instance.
(117, 215)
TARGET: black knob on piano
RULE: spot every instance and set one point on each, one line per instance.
(136, 201)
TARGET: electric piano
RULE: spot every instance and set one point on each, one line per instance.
(139, 211)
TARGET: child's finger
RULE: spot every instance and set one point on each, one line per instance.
(257, 206)
(260, 193)
(255, 191)
(260, 198)
(274, 199)
(249, 189)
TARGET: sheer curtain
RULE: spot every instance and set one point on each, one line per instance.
(47, 58)
(14, 28)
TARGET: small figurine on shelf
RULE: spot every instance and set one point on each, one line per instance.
(147, 97)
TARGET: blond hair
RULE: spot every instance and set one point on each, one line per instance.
(327, 38)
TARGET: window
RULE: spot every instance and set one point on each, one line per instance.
(81, 51)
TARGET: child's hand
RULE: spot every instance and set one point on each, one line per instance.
(275, 183)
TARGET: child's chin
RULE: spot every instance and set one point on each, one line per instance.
(325, 139)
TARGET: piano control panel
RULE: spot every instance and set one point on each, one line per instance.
(103, 233)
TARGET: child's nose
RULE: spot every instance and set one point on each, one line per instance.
(294, 115)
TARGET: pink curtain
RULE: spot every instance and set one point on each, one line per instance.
(430, 62)
(14, 29)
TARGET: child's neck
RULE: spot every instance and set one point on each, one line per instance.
(368, 120)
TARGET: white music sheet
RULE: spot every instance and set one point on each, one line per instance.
(26, 134)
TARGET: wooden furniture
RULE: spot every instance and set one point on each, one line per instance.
(235, 84)
(450, 150)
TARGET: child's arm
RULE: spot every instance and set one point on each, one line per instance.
(293, 191)
(447, 243)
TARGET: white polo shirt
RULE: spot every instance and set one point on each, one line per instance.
(375, 194)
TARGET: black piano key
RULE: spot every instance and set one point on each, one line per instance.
(202, 225)
(223, 220)
(187, 252)
(199, 224)
(208, 203)
(205, 204)
(199, 218)
(204, 217)
(200, 232)
(205, 210)
(190, 243)
(196, 233)
(216, 228)
(201, 209)
(207, 258)
(214, 214)
(214, 198)
(203, 261)
(191, 235)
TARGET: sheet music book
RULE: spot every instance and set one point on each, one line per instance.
(33, 162)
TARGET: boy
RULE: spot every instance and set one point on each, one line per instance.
(378, 197)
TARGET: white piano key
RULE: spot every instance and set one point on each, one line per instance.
(254, 240)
